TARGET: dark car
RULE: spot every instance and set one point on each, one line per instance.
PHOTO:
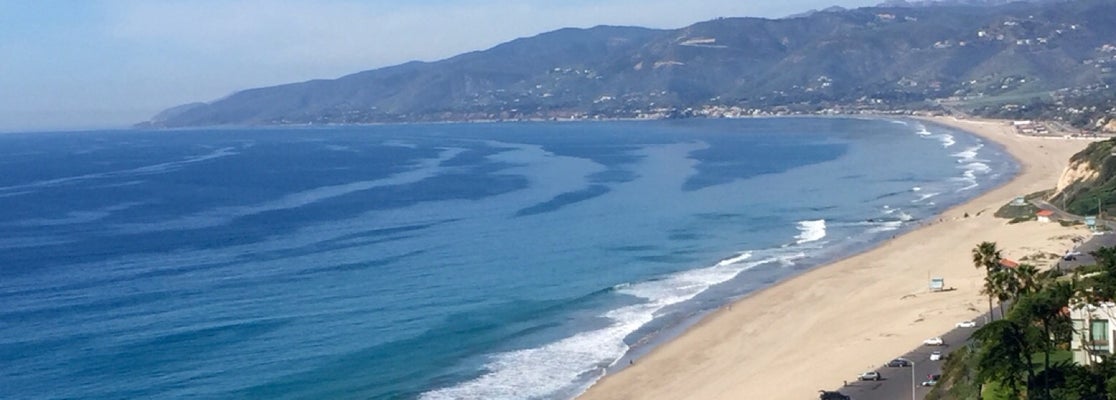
(899, 362)
(932, 379)
(828, 395)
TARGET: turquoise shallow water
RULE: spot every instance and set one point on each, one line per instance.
(486, 261)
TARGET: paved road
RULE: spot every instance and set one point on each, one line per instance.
(1107, 239)
(896, 382)
(1092, 243)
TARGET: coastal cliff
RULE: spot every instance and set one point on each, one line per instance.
(1089, 181)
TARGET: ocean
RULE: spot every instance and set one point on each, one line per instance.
(441, 261)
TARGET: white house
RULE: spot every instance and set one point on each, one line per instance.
(1044, 215)
(1093, 332)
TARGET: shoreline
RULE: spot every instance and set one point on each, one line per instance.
(885, 308)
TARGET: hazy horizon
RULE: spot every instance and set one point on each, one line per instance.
(102, 64)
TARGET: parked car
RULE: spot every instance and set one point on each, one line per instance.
(899, 362)
(932, 380)
(934, 341)
(828, 395)
(869, 376)
(966, 324)
(936, 356)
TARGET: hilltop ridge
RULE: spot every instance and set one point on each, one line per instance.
(878, 58)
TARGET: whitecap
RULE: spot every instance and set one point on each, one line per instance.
(925, 196)
(810, 231)
(559, 367)
(735, 259)
(789, 260)
(886, 227)
(947, 140)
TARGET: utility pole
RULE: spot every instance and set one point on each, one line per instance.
(913, 396)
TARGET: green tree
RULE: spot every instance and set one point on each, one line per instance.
(1025, 280)
(1048, 309)
(1101, 287)
(987, 256)
(1004, 355)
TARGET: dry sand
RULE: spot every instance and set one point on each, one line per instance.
(817, 329)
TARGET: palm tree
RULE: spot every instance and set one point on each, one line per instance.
(1014, 283)
(987, 256)
(1027, 281)
(1004, 286)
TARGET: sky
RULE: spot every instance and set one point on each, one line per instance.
(110, 63)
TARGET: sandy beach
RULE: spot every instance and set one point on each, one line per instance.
(827, 325)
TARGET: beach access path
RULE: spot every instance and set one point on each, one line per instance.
(825, 326)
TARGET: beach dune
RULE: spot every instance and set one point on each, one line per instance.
(822, 327)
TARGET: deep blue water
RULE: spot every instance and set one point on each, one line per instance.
(482, 261)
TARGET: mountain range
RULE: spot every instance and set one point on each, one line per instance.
(893, 55)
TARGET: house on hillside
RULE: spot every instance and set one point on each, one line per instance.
(1044, 215)
(1093, 332)
(1008, 263)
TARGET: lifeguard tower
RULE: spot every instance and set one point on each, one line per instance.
(937, 284)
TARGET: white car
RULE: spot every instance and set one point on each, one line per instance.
(934, 341)
(869, 376)
(966, 324)
(936, 356)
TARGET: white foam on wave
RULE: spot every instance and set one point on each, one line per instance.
(554, 368)
(810, 231)
(886, 227)
(543, 371)
(925, 196)
(971, 170)
(947, 140)
(972, 166)
(969, 154)
(735, 259)
(975, 167)
(789, 259)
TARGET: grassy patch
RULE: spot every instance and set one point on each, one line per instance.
(998, 391)
(1021, 213)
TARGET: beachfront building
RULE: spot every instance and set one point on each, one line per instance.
(1093, 328)
(1044, 215)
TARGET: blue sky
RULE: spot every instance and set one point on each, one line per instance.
(97, 64)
